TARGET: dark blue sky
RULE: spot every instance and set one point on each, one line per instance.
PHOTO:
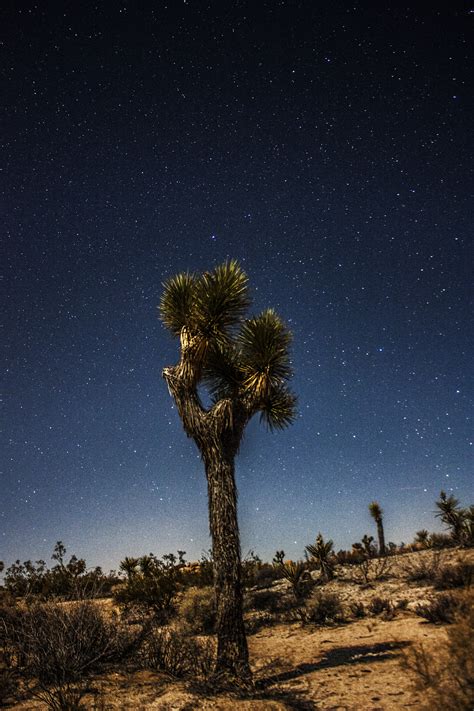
(328, 149)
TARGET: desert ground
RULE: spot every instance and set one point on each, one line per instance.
(354, 665)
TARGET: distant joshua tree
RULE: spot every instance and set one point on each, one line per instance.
(460, 521)
(323, 554)
(376, 512)
(129, 566)
(245, 364)
(422, 537)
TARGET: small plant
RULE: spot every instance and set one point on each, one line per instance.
(402, 603)
(265, 600)
(422, 538)
(459, 521)
(357, 609)
(299, 578)
(454, 576)
(379, 605)
(323, 609)
(322, 553)
(441, 609)
(198, 609)
(370, 569)
(153, 587)
(422, 568)
(178, 655)
(279, 558)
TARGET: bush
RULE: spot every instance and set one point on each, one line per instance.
(60, 645)
(198, 609)
(441, 609)
(265, 600)
(378, 605)
(322, 609)
(153, 589)
(357, 609)
(178, 655)
(446, 677)
(422, 568)
(454, 576)
(441, 540)
(266, 575)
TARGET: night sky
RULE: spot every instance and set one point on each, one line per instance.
(326, 147)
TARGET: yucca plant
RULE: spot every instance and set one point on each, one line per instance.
(129, 566)
(245, 364)
(323, 554)
(298, 576)
(376, 512)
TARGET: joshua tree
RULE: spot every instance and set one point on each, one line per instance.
(323, 554)
(129, 566)
(245, 365)
(459, 520)
(376, 512)
(422, 537)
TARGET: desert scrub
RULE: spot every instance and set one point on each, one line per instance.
(265, 600)
(446, 676)
(459, 575)
(422, 568)
(357, 609)
(322, 608)
(442, 609)
(197, 609)
(56, 647)
(379, 605)
(177, 654)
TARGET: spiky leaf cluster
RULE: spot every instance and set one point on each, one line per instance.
(246, 359)
(376, 511)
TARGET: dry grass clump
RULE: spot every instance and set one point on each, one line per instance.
(323, 608)
(54, 648)
(197, 609)
(443, 608)
(178, 655)
(447, 676)
(459, 575)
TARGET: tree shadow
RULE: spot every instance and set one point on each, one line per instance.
(342, 656)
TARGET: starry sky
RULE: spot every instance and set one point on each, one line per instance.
(327, 147)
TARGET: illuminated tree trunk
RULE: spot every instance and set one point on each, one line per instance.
(217, 433)
(381, 536)
(232, 651)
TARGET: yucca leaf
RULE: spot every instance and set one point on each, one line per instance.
(176, 306)
(264, 342)
(221, 372)
(278, 409)
(221, 299)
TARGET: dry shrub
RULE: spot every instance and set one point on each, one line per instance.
(55, 647)
(422, 568)
(323, 609)
(454, 576)
(177, 654)
(371, 569)
(357, 609)
(379, 605)
(441, 609)
(265, 600)
(198, 609)
(446, 676)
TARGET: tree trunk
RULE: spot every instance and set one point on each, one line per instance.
(232, 651)
(381, 537)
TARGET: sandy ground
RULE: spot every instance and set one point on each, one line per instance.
(356, 666)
